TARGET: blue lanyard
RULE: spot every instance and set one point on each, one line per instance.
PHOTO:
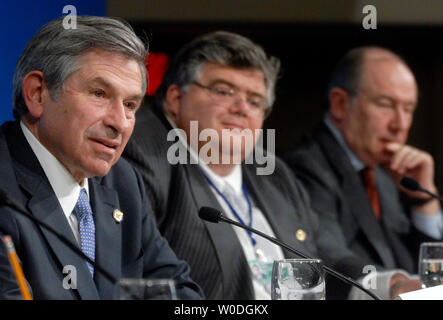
(245, 192)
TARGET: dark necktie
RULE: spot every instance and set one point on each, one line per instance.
(371, 190)
(87, 227)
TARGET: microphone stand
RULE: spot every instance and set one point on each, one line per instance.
(334, 273)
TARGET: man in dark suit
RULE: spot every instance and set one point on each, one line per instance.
(75, 96)
(352, 163)
(225, 83)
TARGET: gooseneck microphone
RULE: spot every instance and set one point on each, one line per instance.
(413, 185)
(213, 215)
(5, 200)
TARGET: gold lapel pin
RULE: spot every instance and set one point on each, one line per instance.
(300, 235)
(118, 215)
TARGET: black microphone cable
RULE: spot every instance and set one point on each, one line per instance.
(213, 215)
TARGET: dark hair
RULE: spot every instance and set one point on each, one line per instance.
(221, 47)
(348, 70)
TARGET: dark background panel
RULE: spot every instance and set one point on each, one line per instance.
(308, 53)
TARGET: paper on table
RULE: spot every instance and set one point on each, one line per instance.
(432, 293)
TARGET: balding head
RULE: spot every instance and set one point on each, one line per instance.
(349, 73)
(379, 65)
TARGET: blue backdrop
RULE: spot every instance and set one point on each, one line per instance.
(19, 21)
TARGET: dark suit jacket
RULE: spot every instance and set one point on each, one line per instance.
(217, 261)
(339, 197)
(130, 249)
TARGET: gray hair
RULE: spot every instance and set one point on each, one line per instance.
(224, 48)
(55, 51)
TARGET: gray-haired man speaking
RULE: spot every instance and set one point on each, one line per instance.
(76, 92)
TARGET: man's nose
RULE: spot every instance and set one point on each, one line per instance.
(241, 104)
(116, 117)
(401, 120)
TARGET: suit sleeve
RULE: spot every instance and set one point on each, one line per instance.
(160, 260)
(331, 242)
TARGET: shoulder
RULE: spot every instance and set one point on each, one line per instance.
(312, 163)
(123, 178)
(280, 179)
(308, 153)
(148, 143)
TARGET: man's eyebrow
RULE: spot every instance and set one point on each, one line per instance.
(101, 81)
(394, 99)
(222, 81)
(137, 97)
(107, 84)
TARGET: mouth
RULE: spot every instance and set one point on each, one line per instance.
(233, 126)
(106, 144)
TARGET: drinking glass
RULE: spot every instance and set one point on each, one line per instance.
(147, 289)
(430, 264)
(298, 279)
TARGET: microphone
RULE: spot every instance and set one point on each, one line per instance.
(5, 200)
(413, 185)
(213, 215)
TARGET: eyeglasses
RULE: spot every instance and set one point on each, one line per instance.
(225, 95)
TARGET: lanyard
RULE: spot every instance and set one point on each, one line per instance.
(245, 192)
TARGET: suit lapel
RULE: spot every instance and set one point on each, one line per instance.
(271, 205)
(355, 193)
(44, 205)
(220, 234)
(108, 236)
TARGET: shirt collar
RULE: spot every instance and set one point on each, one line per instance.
(62, 182)
(234, 179)
(356, 163)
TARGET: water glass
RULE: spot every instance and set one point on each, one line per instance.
(147, 289)
(298, 279)
(430, 264)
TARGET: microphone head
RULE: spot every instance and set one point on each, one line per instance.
(410, 184)
(209, 214)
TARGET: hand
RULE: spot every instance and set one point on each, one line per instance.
(401, 284)
(417, 164)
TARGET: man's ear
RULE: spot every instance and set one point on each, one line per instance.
(339, 103)
(172, 102)
(33, 88)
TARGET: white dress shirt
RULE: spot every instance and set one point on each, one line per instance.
(270, 251)
(64, 185)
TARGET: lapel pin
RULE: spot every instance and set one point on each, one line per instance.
(118, 215)
(300, 235)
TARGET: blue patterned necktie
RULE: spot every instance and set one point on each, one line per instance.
(87, 227)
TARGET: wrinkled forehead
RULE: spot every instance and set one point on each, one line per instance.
(96, 60)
